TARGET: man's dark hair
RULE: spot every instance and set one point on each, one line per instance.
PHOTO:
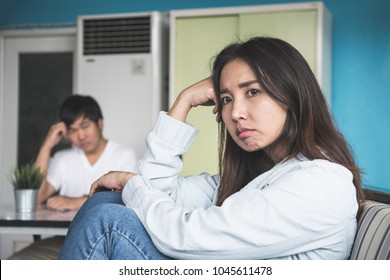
(76, 106)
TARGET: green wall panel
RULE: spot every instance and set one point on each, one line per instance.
(199, 39)
(296, 27)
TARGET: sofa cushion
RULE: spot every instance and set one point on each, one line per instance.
(372, 241)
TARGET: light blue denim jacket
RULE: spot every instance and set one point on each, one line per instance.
(300, 209)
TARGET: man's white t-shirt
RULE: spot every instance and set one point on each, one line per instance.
(71, 174)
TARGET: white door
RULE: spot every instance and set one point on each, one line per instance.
(30, 45)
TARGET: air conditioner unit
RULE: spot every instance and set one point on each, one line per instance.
(122, 61)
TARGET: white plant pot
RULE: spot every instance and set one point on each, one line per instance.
(25, 200)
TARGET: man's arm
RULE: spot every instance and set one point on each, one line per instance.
(45, 191)
(63, 203)
(56, 133)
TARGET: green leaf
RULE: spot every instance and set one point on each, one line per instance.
(27, 176)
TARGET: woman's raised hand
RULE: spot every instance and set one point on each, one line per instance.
(200, 93)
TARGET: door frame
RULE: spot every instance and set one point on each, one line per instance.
(7, 242)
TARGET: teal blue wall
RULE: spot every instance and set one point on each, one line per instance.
(361, 62)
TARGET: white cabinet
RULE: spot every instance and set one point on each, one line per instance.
(122, 63)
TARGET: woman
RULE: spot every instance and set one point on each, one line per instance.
(288, 186)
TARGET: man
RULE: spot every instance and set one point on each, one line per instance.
(71, 172)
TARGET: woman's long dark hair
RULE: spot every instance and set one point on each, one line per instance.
(309, 129)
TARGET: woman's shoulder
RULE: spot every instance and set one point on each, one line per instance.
(316, 168)
(306, 173)
(315, 178)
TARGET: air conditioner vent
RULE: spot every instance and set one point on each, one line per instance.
(119, 35)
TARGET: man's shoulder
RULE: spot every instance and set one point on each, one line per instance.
(67, 152)
(123, 157)
(116, 147)
(66, 155)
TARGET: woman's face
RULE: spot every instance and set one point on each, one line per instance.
(253, 119)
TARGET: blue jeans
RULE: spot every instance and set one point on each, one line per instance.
(104, 228)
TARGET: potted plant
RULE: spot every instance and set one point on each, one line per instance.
(26, 180)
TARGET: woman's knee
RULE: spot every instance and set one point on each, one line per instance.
(101, 198)
(116, 218)
(111, 231)
(96, 207)
(93, 222)
(105, 197)
(124, 234)
(114, 215)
